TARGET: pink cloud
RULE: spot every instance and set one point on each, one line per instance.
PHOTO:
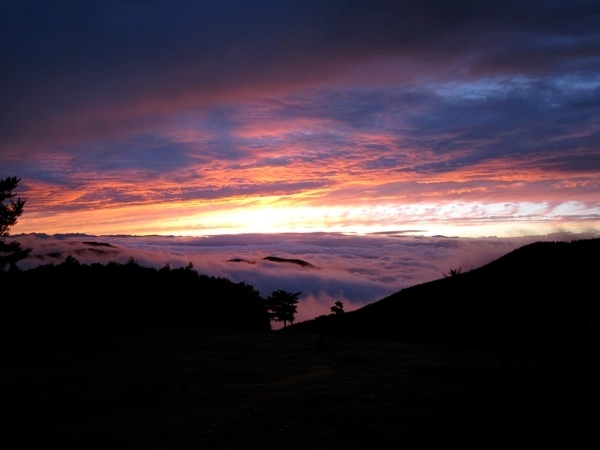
(353, 269)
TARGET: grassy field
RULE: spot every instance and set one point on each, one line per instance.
(239, 390)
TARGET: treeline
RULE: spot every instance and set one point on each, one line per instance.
(72, 295)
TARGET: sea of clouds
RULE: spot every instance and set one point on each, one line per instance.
(354, 269)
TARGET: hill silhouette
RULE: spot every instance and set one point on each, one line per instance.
(538, 301)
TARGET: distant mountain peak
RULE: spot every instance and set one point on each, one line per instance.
(241, 260)
(298, 262)
(98, 244)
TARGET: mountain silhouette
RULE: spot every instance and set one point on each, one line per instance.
(93, 249)
(538, 301)
(298, 262)
(241, 260)
(277, 259)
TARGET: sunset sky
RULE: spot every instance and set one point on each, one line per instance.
(461, 118)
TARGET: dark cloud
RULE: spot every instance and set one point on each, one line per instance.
(144, 154)
(73, 58)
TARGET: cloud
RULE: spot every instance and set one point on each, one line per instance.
(83, 69)
(356, 270)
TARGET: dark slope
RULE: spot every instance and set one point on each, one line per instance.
(540, 300)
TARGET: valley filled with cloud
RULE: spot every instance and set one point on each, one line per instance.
(353, 269)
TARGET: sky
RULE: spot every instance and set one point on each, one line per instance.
(199, 118)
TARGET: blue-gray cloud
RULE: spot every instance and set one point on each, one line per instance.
(68, 58)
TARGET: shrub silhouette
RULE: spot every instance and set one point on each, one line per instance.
(452, 273)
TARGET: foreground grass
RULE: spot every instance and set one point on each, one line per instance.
(223, 389)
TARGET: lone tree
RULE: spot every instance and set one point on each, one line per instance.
(282, 305)
(10, 210)
(337, 308)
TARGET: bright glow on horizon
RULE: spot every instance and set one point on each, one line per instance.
(273, 215)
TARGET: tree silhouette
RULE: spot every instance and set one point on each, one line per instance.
(337, 308)
(282, 305)
(10, 210)
(126, 295)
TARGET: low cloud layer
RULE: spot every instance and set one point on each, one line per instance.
(353, 269)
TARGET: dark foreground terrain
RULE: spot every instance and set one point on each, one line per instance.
(268, 390)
